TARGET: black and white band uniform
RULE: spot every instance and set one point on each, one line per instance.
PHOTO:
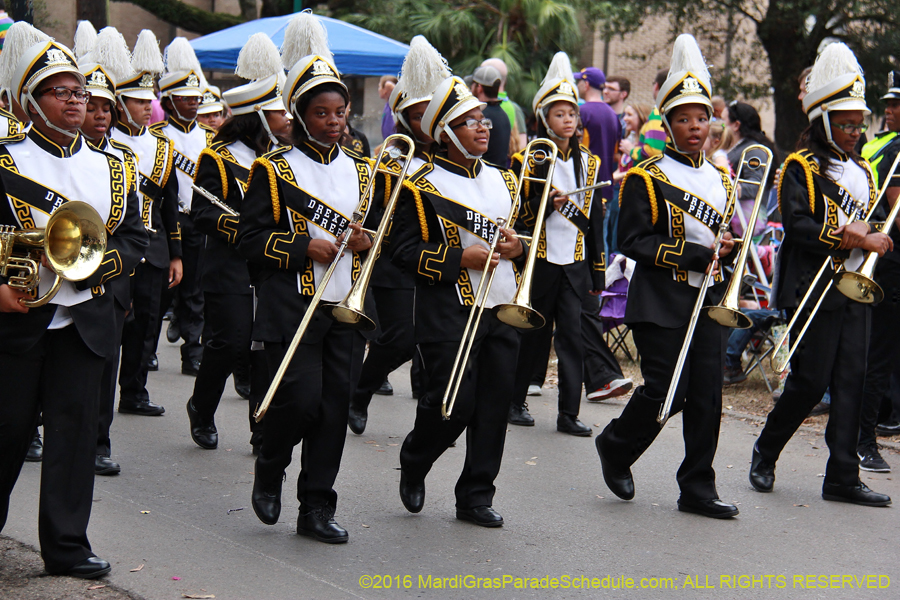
(671, 209)
(822, 187)
(447, 212)
(58, 351)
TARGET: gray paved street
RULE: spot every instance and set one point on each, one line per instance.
(182, 516)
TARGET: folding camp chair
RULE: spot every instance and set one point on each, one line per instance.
(612, 312)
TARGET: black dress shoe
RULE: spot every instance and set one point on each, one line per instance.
(762, 475)
(173, 331)
(618, 480)
(711, 507)
(203, 432)
(572, 426)
(386, 388)
(485, 516)
(519, 415)
(242, 388)
(104, 465)
(36, 449)
(190, 367)
(319, 523)
(854, 494)
(357, 419)
(266, 500)
(89, 568)
(412, 492)
(145, 408)
(892, 428)
(153, 363)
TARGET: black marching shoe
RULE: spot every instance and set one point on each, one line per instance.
(153, 363)
(854, 494)
(104, 465)
(386, 388)
(571, 425)
(519, 415)
(89, 568)
(266, 501)
(144, 408)
(485, 516)
(319, 523)
(204, 433)
(242, 388)
(887, 429)
(36, 449)
(711, 507)
(190, 367)
(173, 331)
(357, 418)
(619, 481)
(412, 493)
(762, 475)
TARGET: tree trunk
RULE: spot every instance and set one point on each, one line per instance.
(187, 17)
(22, 10)
(276, 8)
(790, 50)
(248, 9)
(95, 11)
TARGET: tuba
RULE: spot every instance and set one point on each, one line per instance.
(73, 242)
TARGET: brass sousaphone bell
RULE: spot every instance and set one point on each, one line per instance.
(74, 242)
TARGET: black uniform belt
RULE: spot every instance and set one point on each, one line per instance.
(575, 216)
(150, 188)
(839, 195)
(184, 163)
(692, 204)
(315, 210)
(240, 173)
(31, 192)
(471, 220)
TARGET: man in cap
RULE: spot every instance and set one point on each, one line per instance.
(513, 111)
(486, 87)
(602, 132)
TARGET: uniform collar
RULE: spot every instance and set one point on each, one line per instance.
(177, 125)
(460, 170)
(565, 155)
(127, 130)
(841, 156)
(684, 158)
(51, 147)
(103, 144)
(318, 153)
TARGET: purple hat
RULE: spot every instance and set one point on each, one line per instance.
(593, 76)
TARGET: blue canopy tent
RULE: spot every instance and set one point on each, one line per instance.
(357, 51)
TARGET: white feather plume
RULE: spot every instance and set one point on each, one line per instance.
(259, 58)
(423, 69)
(560, 68)
(85, 40)
(179, 56)
(303, 36)
(146, 57)
(835, 60)
(686, 56)
(111, 52)
(19, 37)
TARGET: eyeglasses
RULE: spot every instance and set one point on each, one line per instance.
(187, 99)
(474, 123)
(850, 128)
(63, 94)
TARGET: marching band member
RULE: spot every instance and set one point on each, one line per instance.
(671, 209)
(444, 222)
(570, 262)
(58, 350)
(392, 287)
(257, 125)
(181, 92)
(162, 266)
(299, 200)
(822, 185)
(211, 111)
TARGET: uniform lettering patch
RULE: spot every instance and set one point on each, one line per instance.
(185, 164)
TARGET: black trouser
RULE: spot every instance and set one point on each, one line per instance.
(188, 294)
(698, 396)
(228, 319)
(61, 378)
(560, 306)
(395, 345)
(482, 405)
(600, 365)
(107, 401)
(147, 285)
(884, 349)
(311, 406)
(831, 355)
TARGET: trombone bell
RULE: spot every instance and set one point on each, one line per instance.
(728, 317)
(859, 287)
(518, 316)
(349, 316)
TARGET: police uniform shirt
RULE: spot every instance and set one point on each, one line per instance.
(188, 142)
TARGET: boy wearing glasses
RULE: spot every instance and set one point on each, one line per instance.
(448, 215)
(58, 350)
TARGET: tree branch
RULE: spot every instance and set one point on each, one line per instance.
(187, 17)
(737, 7)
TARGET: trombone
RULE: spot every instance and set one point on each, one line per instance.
(73, 241)
(517, 312)
(856, 285)
(350, 311)
(727, 312)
